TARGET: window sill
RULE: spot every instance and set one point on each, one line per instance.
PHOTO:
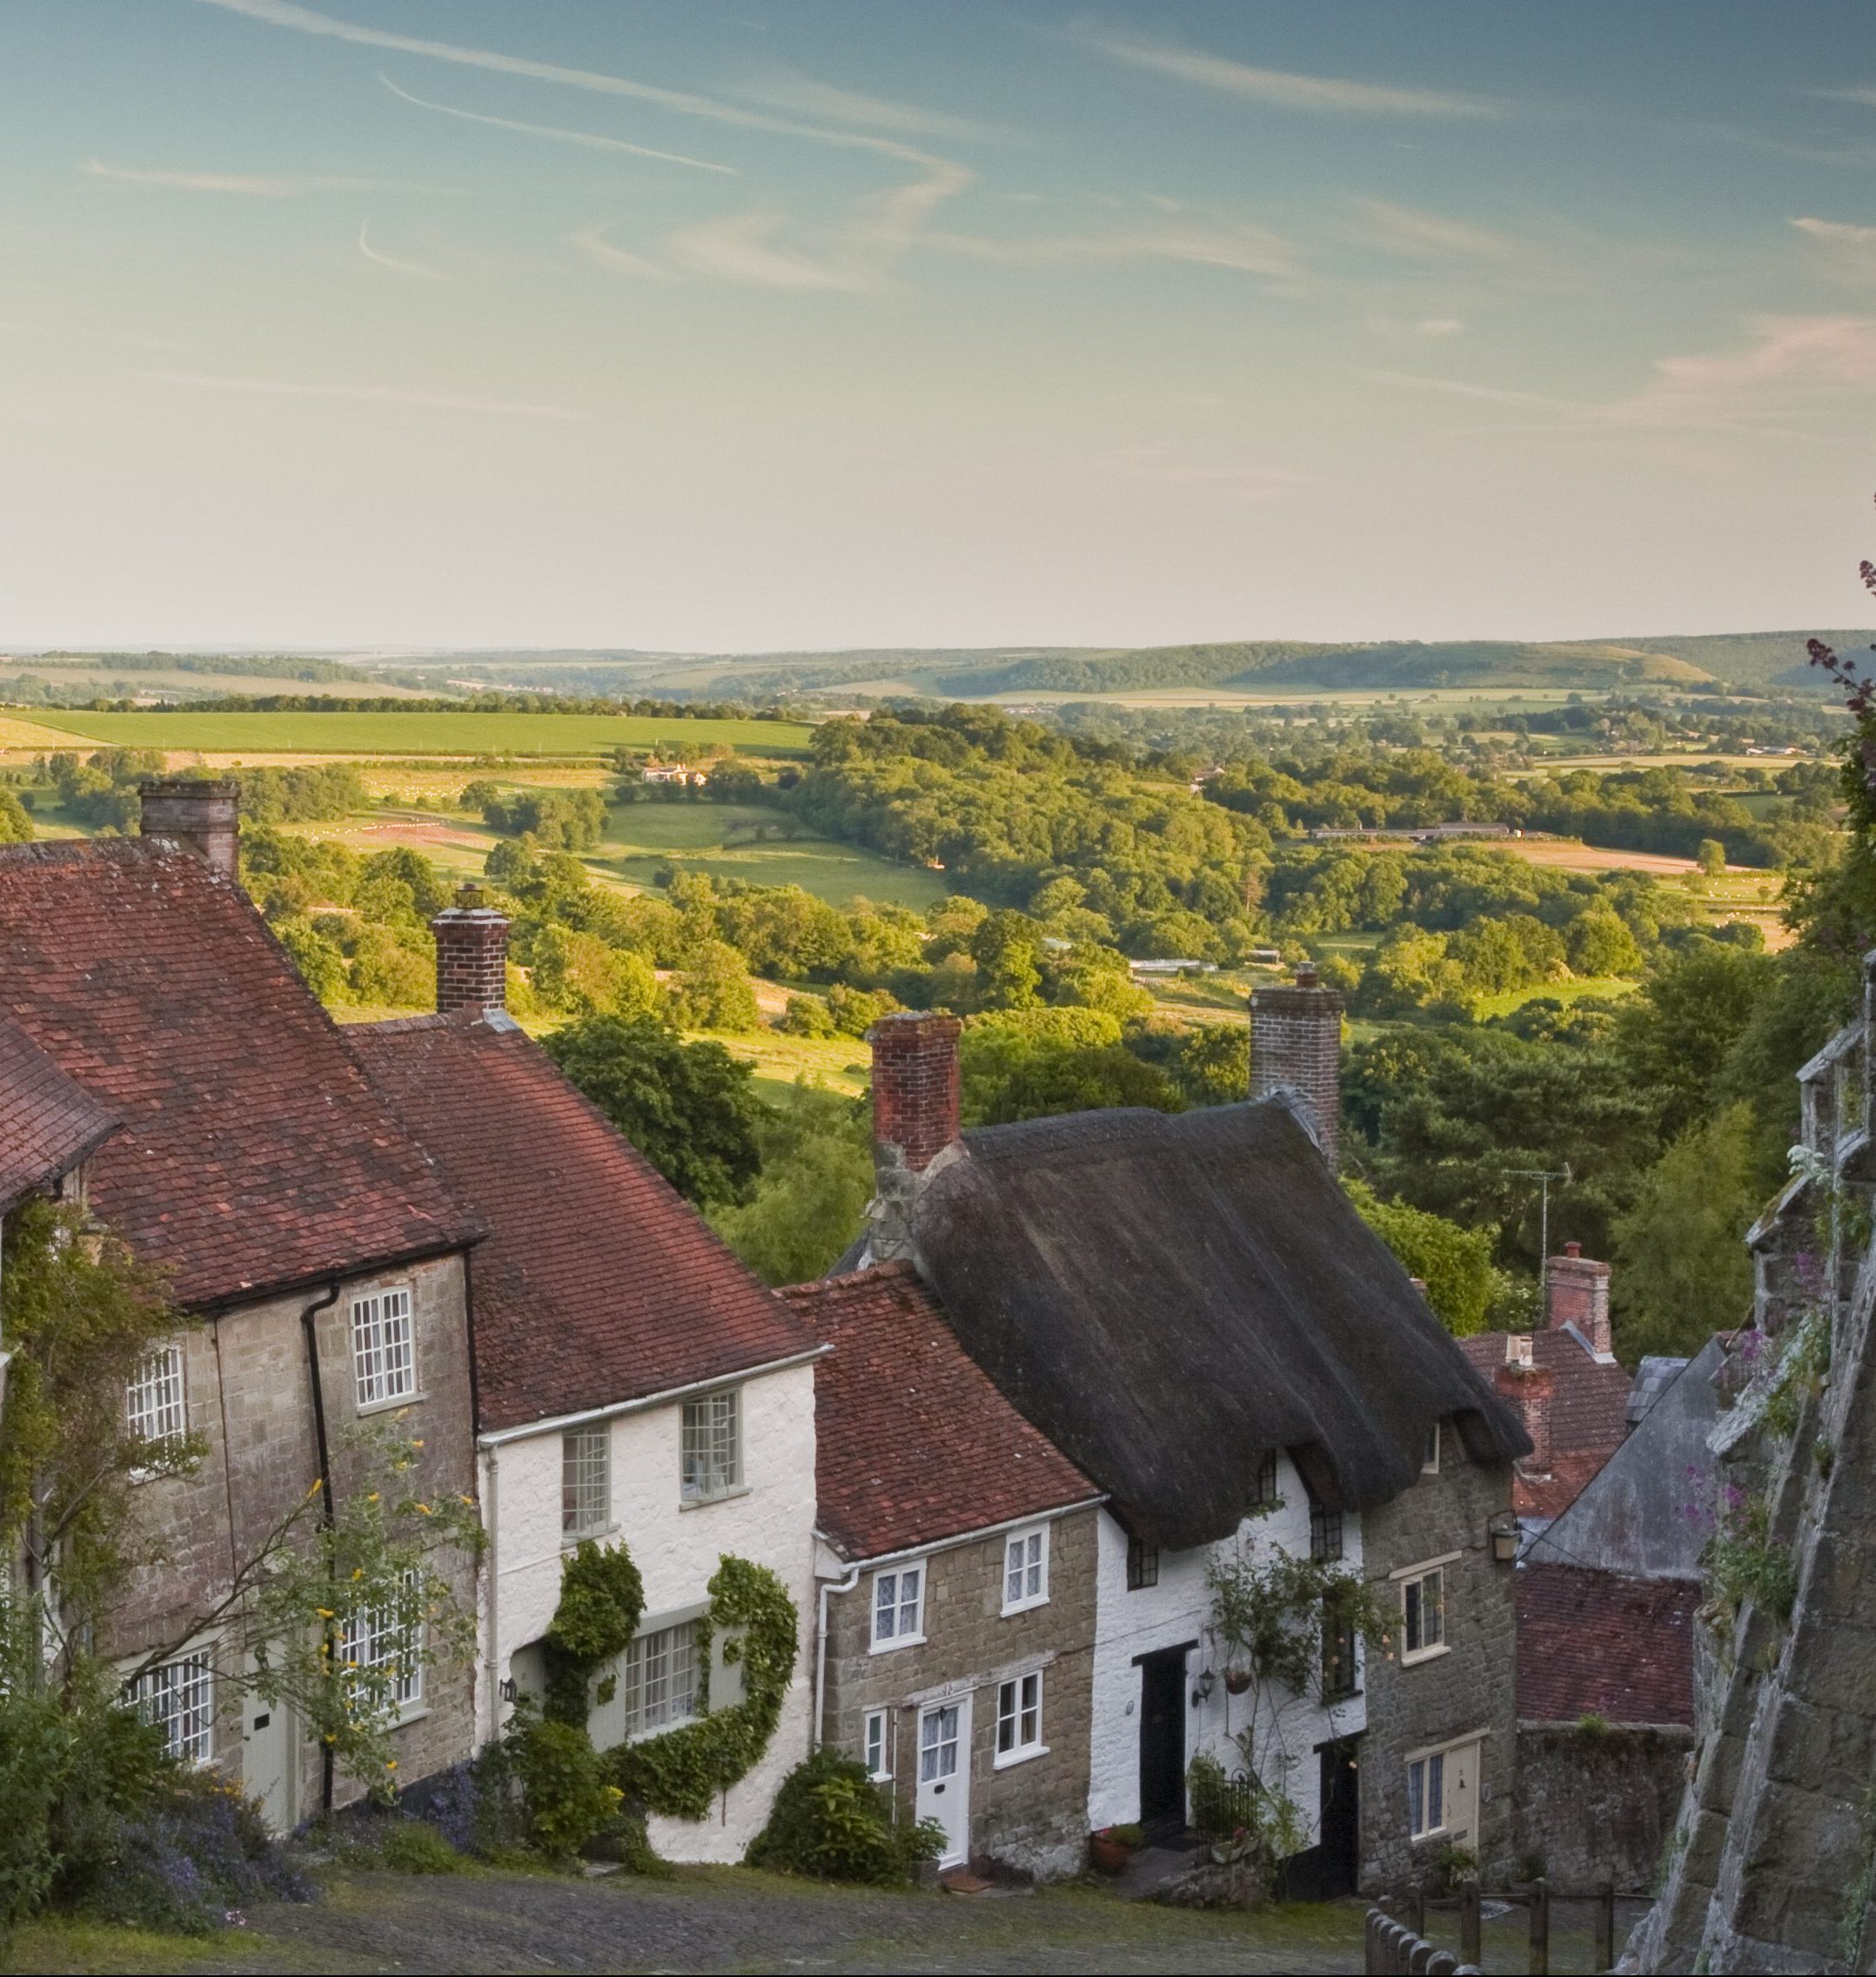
(366, 1407)
(1431, 1832)
(715, 1497)
(1422, 1654)
(1009, 1760)
(415, 1713)
(1025, 1605)
(897, 1641)
(572, 1540)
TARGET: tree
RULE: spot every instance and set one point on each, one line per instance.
(1682, 1270)
(1454, 1264)
(714, 991)
(816, 1180)
(1710, 855)
(1676, 1033)
(15, 826)
(688, 1107)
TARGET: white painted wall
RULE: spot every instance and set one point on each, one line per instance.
(676, 1551)
(1127, 1625)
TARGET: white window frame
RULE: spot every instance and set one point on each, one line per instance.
(372, 1637)
(1430, 1462)
(663, 1659)
(155, 1401)
(586, 1464)
(699, 1433)
(154, 1693)
(1412, 1575)
(1431, 1766)
(1026, 1562)
(891, 1583)
(876, 1744)
(1019, 1704)
(384, 1348)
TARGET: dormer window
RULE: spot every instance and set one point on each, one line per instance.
(1264, 1496)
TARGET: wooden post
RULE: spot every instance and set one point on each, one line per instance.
(1417, 1911)
(1605, 1926)
(1469, 1922)
(1540, 1928)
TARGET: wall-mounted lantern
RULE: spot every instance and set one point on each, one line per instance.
(1504, 1532)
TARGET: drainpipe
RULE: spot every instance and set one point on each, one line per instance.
(820, 1651)
(492, 1519)
(306, 1318)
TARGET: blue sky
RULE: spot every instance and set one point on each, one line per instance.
(700, 325)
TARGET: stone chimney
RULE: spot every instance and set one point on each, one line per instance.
(471, 954)
(915, 1116)
(1577, 1294)
(1295, 1045)
(1526, 1388)
(201, 817)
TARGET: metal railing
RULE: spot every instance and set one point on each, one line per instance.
(1469, 1899)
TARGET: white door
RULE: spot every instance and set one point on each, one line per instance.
(1462, 1796)
(267, 1742)
(944, 1775)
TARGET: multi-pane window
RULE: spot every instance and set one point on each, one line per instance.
(1426, 1795)
(711, 1456)
(1263, 1490)
(586, 1481)
(898, 1606)
(1423, 1614)
(1019, 1718)
(1143, 1564)
(658, 1679)
(1325, 1531)
(1339, 1665)
(180, 1698)
(384, 1348)
(1026, 1569)
(877, 1746)
(377, 1639)
(154, 1400)
(938, 1742)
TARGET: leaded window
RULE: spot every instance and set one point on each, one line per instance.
(898, 1605)
(178, 1697)
(657, 1679)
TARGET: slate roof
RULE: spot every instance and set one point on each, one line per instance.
(914, 1445)
(253, 1154)
(1589, 1413)
(597, 1281)
(1168, 1296)
(1596, 1644)
(47, 1123)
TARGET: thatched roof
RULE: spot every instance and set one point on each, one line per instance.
(1167, 1297)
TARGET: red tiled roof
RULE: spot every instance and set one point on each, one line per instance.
(597, 1281)
(47, 1123)
(253, 1152)
(1589, 1413)
(1595, 1644)
(914, 1442)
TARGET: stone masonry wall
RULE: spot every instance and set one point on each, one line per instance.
(1469, 1690)
(1032, 1816)
(1596, 1808)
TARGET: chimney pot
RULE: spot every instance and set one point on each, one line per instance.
(471, 954)
(202, 817)
(1573, 1248)
(1296, 1046)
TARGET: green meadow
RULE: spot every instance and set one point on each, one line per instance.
(415, 734)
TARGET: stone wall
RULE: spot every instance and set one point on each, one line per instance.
(1031, 1816)
(1596, 1808)
(1468, 1691)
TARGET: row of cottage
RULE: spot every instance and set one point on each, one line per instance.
(1069, 1366)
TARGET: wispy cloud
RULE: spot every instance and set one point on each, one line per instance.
(590, 140)
(1786, 351)
(784, 90)
(1850, 251)
(249, 184)
(591, 242)
(1244, 248)
(1401, 328)
(1414, 235)
(1459, 388)
(367, 394)
(1336, 95)
(396, 262)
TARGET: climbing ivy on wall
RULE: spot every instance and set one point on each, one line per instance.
(681, 1772)
(602, 1600)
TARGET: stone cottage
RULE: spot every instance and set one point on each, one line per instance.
(958, 1600)
(636, 1385)
(1191, 1310)
(297, 1219)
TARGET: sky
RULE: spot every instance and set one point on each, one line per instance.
(743, 325)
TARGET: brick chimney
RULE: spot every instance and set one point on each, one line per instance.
(201, 817)
(1577, 1293)
(471, 954)
(1296, 1046)
(1526, 1388)
(915, 1116)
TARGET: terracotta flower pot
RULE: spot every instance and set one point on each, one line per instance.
(1236, 1680)
(1109, 1855)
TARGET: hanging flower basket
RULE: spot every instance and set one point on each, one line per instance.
(1236, 1680)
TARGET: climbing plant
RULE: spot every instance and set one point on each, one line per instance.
(602, 1600)
(680, 1773)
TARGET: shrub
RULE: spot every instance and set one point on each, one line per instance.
(806, 1016)
(565, 1792)
(830, 1822)
(412, 1846)
(602, 1597)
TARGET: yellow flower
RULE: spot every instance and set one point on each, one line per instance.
(326, 1612)
(391, 1764)
(373, 1498)
(319, 1483)
(425, 1509)
(417, 1444)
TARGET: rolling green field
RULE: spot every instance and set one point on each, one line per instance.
(424, 733)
